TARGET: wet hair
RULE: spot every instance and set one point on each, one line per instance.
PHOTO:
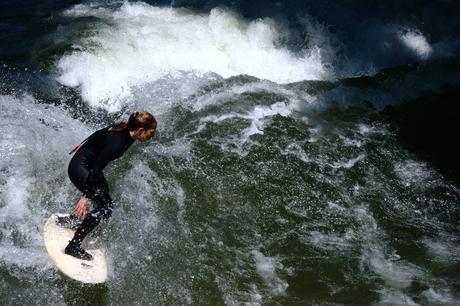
(135, 121)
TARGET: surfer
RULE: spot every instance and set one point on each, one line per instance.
(85, 172)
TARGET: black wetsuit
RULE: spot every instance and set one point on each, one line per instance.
(85, 172)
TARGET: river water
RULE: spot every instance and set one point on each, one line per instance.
(279, 174)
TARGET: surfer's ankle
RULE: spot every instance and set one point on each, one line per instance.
(74, 249)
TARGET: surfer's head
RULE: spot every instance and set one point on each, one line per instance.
(141, 126)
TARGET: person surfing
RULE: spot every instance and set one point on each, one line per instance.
(85, 172)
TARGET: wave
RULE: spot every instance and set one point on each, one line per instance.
(137, 44)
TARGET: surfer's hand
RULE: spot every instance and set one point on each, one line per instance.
(82, 208)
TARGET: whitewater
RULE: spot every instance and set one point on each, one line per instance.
(278, 174)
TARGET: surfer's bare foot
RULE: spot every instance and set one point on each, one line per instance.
(75, 250)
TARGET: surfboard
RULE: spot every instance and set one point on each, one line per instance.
(86, 271)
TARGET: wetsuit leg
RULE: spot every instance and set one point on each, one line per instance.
(103, 207)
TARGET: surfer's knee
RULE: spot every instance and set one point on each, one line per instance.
(94, 218)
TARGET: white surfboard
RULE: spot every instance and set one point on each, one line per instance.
(86, 271)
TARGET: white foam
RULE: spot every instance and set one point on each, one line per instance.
(182, 210)
(395, 297)
(295, 149)
(256, 297)
(145, 43)
(349, 163)
(415, 41)
(266, 267)
(379, 258)
(414, 173)
(440, 297)
(349, 142)
(445, 251)
(168, 91)
(330, 241)
(257, 118)
(34, 150)
(258, 115)
(33, 169)
(366, 130)
(140, 182)
(179, 147)
(229, 93)
(396, 274)
(15, 195)
(24, 257)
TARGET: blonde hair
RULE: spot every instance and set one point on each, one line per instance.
(135, 121)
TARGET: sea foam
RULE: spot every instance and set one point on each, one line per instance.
(139, 44)
(417, 43)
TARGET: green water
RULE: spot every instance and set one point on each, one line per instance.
(254, 191)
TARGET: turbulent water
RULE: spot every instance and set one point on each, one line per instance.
(279, 174)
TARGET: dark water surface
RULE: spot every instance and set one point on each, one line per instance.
(306, 153)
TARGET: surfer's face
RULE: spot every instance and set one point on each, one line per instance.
(145, 134)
